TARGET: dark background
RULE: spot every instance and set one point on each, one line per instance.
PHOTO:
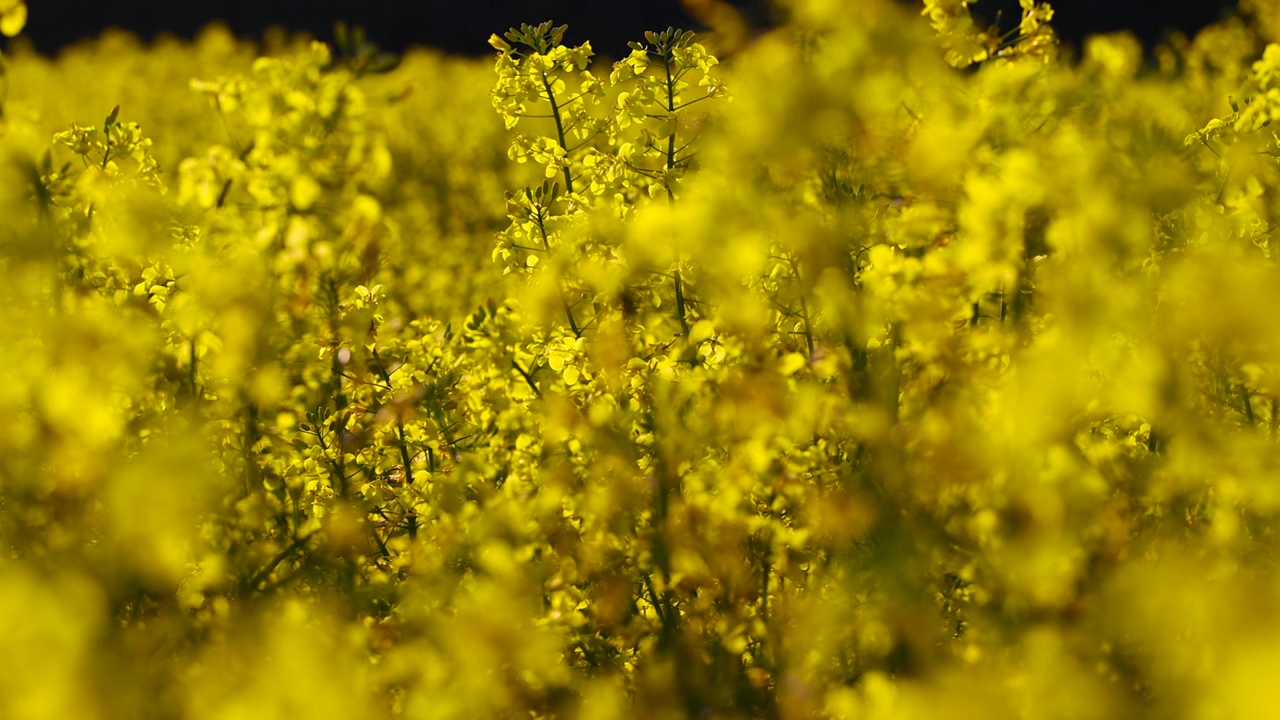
(464, 26)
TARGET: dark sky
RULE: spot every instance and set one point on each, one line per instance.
(463, 26)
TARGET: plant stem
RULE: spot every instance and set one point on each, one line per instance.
(411, 519)
(681, 315)
(339, 399)
(680, 312)
(804, 305)
(253, 582)
(252, 473)
(528, 380)
(191, 372)
(540, 219)
(671, 139)
(555, 113)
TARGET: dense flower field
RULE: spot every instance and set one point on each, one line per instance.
(892, 367)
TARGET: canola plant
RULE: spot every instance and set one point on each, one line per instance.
(893, 367)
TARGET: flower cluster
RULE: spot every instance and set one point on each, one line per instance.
(888, 386)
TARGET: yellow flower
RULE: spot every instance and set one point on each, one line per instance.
(13, 17)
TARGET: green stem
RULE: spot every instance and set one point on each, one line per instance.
(406, 461)
(1274, 421)
(764, 581)
(681, 314)
(191, 372)
(680, 311)
(222, 195)
(804, 305)
(252, 473)
(555, 112)
(671, 139)
(253, 582)
(339, 399)
(540, 219)
(527, 378)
